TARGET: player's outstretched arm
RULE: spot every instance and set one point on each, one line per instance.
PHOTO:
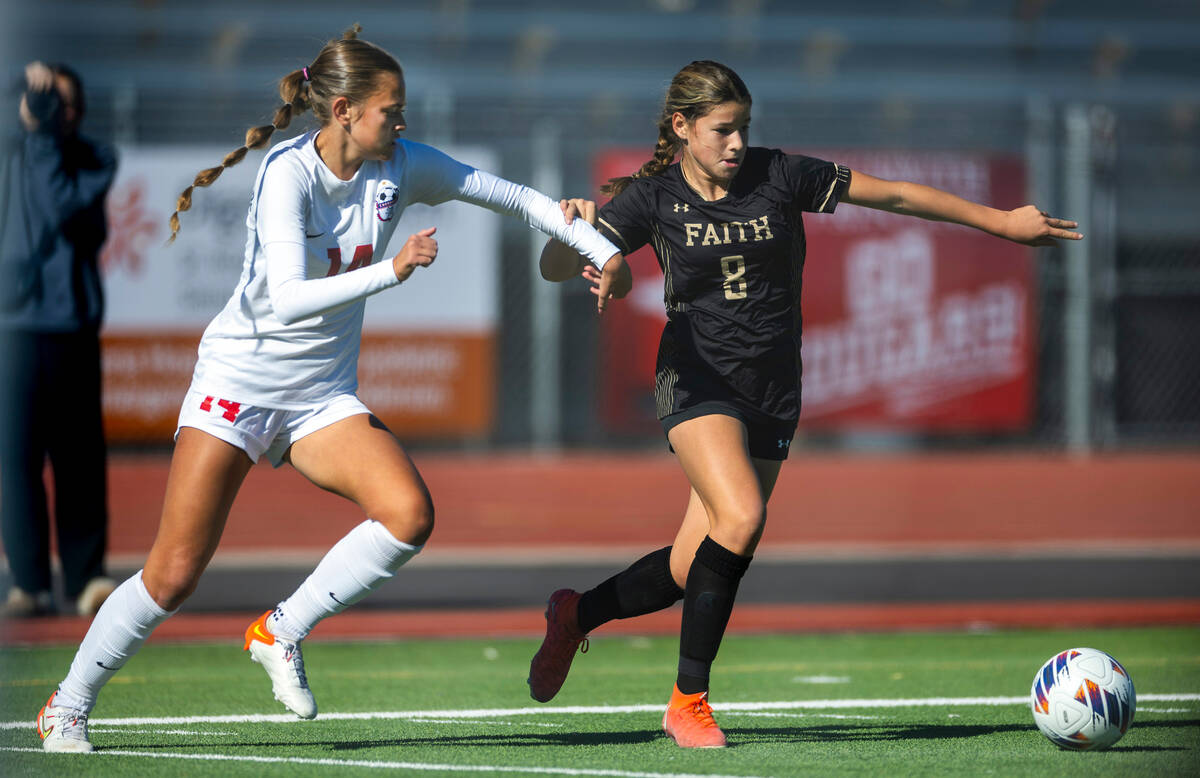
(560, 262)
(1026, 224)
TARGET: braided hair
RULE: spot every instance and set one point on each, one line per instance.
(345, 67)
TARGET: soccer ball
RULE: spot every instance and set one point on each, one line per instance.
(1083, 699)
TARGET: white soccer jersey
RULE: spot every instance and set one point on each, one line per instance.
(289, 336)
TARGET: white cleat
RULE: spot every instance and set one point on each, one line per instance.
(285, 665)
(63, 729)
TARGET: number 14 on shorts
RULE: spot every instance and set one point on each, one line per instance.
(231, 408)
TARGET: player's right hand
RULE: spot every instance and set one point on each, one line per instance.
(419, 251)
(577, 206)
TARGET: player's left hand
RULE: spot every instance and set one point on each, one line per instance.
(419, 250)
(615, 281)
(1033, 227)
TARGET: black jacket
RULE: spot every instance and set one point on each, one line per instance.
(52, 225)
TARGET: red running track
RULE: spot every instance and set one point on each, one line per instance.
(525, 622)
(517, 504)
(522, 502)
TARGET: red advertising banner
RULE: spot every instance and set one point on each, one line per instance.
(908, 324)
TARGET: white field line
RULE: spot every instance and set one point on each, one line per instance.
(487, 713)
(1165, 710)
(151, 731)
(378, 765)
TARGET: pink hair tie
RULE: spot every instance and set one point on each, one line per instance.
(305, 72)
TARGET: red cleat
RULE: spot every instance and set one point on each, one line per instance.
(552, 662)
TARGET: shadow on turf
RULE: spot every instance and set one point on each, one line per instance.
(503, 739)
(513, 739)
(833, 733)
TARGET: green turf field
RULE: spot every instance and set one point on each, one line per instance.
(861, 704)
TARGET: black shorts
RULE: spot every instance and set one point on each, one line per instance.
(766, 437)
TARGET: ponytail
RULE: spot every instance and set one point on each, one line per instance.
(346, 67)
(665, 149)
(293, 89)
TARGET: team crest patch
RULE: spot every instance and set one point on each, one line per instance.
(385, 201)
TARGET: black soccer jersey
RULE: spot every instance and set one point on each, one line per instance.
(731, 270)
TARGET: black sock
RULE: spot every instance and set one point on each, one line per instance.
(707, 602)
(645, 586)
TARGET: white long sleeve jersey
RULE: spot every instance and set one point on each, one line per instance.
(289, 336)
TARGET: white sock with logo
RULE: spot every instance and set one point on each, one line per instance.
(120, 627)
(357, 565)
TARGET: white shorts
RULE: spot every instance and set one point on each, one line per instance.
(262, 430)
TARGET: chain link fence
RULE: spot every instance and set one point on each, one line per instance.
(1134, 380)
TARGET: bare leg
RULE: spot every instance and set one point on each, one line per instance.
(205, 476)
(722, 526)
(360, 459)
(657, 580)
(712, 451)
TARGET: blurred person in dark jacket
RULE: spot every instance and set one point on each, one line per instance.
(52, 225)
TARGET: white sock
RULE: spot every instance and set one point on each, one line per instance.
(120, 627)
(357, 565)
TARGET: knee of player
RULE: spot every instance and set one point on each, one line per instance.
(744, 520)
(171, 585)
(409, 518)
(422, 523)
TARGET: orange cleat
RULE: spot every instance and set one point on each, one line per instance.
(550, 665)
(258, 631)
(689, 721)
